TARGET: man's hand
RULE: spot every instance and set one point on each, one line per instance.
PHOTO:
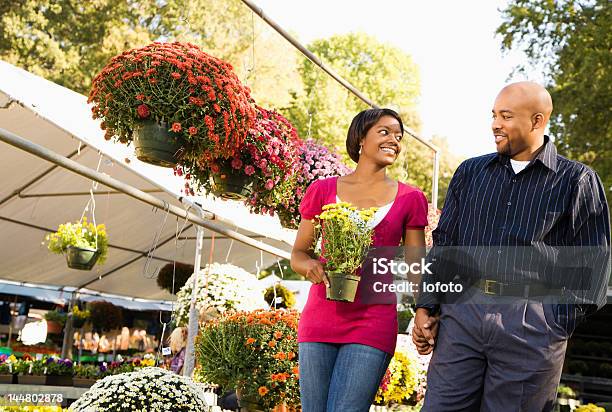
(424, 331)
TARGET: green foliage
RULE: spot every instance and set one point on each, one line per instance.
(80, 234)
(59, 367)
(255, 352)
(68, 42)
(287, 300)
(35, 367)
(86, 371)
(105, 316)
(56, 316)
(221, 352)
(179, 271)
(572, 40)
(566, 391)
(416, 164)
(79, 317)
(384, 73)
(403, 320)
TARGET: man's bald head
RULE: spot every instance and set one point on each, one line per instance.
(520, 114)
(532, 96)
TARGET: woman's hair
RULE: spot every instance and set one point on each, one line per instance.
(360, 126)
(178, 339)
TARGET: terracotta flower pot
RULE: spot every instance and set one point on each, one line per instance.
(155, 144)
(54, 327)
(342, 287)
(80, 258)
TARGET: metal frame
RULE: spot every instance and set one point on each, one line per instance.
(316, 60)
(200, 221)
(79, 169)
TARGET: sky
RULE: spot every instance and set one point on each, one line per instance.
(461, 64)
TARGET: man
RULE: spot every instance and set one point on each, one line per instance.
(498, 348)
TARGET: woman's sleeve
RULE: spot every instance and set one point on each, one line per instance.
(417, 211)
(311, 204)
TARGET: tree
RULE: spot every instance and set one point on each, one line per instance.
(384, 73)
(68, 42)
(418, 167)
(387, 76)
(571, 40)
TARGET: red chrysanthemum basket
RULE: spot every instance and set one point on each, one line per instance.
(194, 97)
(262, 173)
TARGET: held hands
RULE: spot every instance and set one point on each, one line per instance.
(425, 331)
(315, 272)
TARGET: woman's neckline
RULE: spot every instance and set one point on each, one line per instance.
(392, 203)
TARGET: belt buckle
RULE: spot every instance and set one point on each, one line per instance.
(489, 285)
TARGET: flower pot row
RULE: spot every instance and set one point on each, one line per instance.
(49, 380)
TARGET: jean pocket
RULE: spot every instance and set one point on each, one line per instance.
(556, 319)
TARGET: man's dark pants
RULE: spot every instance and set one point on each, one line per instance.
(496, 354)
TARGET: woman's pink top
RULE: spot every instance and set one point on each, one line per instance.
(374, 325)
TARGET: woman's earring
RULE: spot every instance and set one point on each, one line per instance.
(360, 147)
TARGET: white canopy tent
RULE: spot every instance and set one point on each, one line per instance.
(36, 196)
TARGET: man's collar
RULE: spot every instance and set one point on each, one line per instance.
(547, 155)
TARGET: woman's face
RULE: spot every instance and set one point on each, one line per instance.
(381, 143)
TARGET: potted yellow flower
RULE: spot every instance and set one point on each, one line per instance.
(83, 243)
(346, 237)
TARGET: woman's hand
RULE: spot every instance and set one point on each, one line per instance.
(315, 272)
(302, 256)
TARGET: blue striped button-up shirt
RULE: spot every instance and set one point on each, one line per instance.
(553, 201)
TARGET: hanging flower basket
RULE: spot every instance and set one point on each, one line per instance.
(154, 143)
(261, 172)
(81, 258)
(181, 89)
(342, 287)
(82, 243)
(315, 162)
(232, 185)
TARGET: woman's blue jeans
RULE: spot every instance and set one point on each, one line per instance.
(340, 377)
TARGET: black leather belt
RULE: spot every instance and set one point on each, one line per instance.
(525, 290)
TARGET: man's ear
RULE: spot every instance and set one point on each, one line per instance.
(537, 121)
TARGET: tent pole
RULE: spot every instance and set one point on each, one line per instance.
(44, 153)
(192, 328)
(67, 342)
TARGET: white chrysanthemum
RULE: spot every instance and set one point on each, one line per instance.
(229, 287)
(114, 392)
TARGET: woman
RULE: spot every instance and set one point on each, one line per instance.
(345, 348)
(178, 344)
